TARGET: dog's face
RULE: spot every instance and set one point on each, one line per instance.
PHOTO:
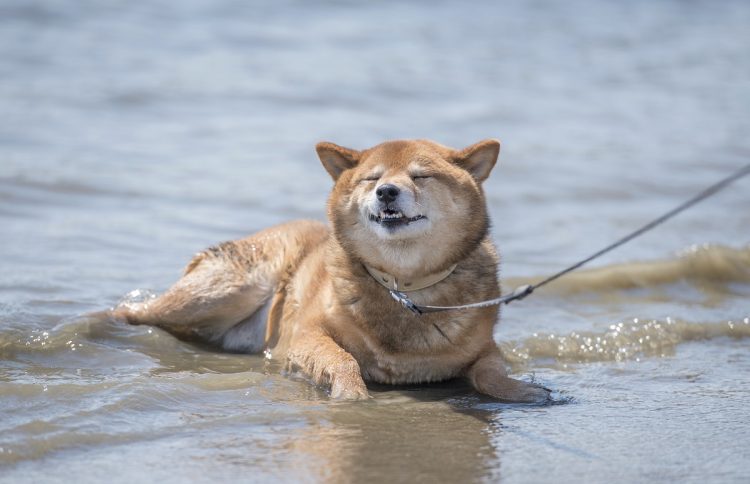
(409, 206)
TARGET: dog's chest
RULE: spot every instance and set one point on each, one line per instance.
(408, 349)
(398, 369)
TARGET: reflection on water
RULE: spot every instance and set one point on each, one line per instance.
(135, 134)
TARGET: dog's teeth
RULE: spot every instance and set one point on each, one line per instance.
(389, 215)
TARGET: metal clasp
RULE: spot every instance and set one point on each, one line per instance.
(404, 300)
(521, 292)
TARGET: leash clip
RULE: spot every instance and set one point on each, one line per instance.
(405, 302)
(521, 292)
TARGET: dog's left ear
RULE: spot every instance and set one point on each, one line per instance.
(336, 159)
(479, 158)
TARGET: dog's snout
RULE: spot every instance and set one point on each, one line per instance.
(387, 192)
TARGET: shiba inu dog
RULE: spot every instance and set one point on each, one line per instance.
(407, 215)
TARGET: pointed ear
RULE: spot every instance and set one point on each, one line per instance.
(479, 158)
(336, 158)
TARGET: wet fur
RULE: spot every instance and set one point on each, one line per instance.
(301, 291)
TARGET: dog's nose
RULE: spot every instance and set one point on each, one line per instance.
(387, 192)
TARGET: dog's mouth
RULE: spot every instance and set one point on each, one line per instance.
(393, 218)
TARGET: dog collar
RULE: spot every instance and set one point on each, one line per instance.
(391, 282)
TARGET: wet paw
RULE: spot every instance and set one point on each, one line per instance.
(349, 389)
(531, 393)
(510, 390)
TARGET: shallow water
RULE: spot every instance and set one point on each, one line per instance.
(135, 134)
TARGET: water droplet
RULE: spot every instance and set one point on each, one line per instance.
(136, 297)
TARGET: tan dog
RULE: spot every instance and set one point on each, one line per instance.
(409, 214)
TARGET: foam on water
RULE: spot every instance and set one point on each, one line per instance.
(136, 297)
(632, 340)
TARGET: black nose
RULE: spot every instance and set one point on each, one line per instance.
(387, 193)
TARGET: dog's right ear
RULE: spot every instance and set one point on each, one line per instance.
(479, 158)
(336, 159)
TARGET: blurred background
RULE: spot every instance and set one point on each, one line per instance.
(133, 134)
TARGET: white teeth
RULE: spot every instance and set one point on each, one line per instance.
(391, 215)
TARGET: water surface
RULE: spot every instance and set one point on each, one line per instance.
(135, 134)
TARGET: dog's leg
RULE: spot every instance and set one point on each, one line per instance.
(488, 376)
(212, 296)
(217, 298)
(320, 357)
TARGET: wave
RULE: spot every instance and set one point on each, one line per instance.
(620, 342)
(623, 341)
(705, 263)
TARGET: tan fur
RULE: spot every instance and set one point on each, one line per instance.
(302, 292)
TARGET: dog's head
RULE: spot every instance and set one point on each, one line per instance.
(409, 207)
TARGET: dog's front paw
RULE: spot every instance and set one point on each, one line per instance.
(491, 380)
(530, 393)
(349, 388)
